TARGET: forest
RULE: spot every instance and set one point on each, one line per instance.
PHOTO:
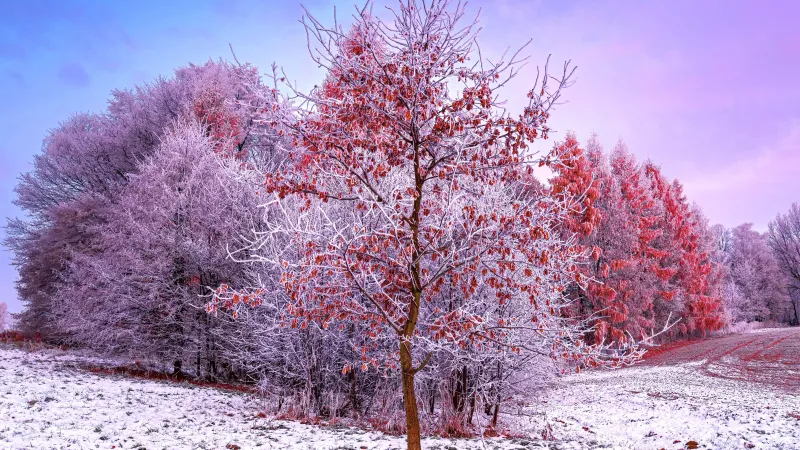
(386, 247)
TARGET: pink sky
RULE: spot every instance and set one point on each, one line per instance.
(708, 89)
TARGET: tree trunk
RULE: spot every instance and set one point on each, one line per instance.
(410, 397)
(355, 404)
(499, 393)
(407, 333)
(471, 408)
(460, 391)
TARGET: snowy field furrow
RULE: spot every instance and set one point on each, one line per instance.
(666, 407)
(48, 402)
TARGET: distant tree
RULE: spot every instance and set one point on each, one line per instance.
(5, 317)
(758, 278)
(684, 266)
(708, 245)
(611, 235)
(784, 239)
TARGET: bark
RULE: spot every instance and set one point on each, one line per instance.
(460, 391)
(410, 397)
(471, 408)
(355, 404)
(407, 332)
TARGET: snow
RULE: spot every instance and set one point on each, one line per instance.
(48, 401)
(667, 406)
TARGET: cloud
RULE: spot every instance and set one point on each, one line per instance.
(74, 74)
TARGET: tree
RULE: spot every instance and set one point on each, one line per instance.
(784, 239)
(5, 318)
(405, 209)
(757, 275)
(637, 230)
(138, 291)
(684, 266)
(708, 245)
(608, 232)
(86, 163)
(651, 251)
(80, 170)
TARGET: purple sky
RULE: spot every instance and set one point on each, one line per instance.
(708, 89)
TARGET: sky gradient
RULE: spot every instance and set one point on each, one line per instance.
(709, 90)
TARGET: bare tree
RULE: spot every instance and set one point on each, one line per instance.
(784, 238)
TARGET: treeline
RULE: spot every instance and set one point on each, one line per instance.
(383, 249)
(656, 259)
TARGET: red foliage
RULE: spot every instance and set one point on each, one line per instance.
(576, 187)
(10, 336)
(650, 263)
(222, 125)
(686, 266)
(138, 372)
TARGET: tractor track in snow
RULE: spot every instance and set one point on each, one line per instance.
(769, 356)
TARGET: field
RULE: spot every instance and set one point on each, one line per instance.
(731, 392)
(736, 391)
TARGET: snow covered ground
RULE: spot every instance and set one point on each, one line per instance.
(666, 407)
(47, 401)
(730, 392)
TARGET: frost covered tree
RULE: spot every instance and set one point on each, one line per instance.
(5, 317)
(784, 238)
(87, 161)
(684, 267)
(405, 210)
(760, 285)
(652, 260)
(138, 291)
(80, 169)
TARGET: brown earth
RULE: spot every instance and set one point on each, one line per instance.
(769, 356)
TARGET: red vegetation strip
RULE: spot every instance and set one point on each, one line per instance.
(159, 376)
(655, 351)
(738, 347)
